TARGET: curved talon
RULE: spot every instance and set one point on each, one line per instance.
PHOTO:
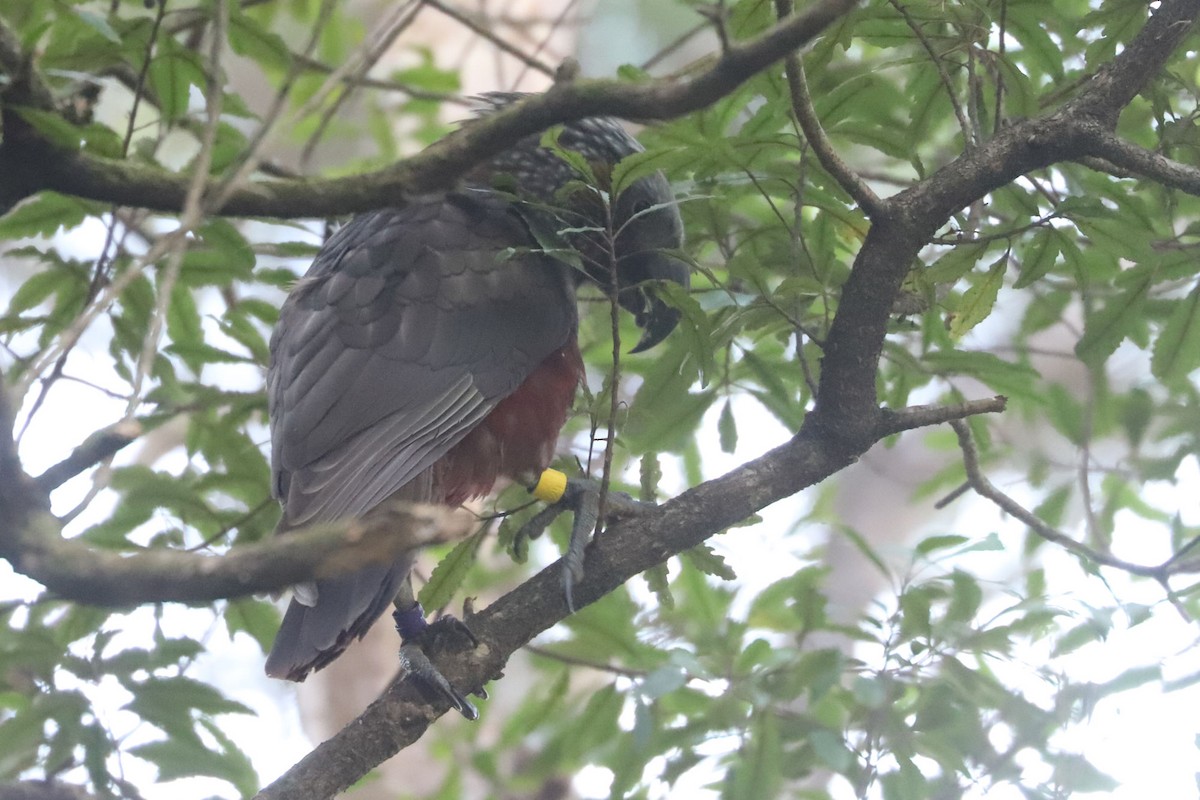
(413, 630)
(417, 665)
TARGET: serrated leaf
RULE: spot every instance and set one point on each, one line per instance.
(173, 72)
(180, 693)
(1037, 258)
(638, 165)
(182, 758)
(955, 264)
(977, 302)
(577, 161)
(649, 474)
(34, 290)
(184, 327)
(710, 562)
(249, 38)
(1002, 376)
(1177, 349)
(656, 580)
(450, 573)
(1104, 330)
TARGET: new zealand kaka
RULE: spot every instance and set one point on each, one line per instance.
(431, 349)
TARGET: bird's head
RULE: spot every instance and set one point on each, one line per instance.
(638, 231)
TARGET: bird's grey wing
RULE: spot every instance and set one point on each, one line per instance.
(408, 329)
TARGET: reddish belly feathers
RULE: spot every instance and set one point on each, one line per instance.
(519, 435)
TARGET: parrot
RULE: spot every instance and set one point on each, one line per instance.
(431, 350)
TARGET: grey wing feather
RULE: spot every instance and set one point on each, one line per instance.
(406, 332)
(372, 383)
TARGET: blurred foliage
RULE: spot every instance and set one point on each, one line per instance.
(751, 689)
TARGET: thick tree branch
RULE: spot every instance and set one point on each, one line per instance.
(29, 164)
(72, 569)
(31, 540)
(910, 218)
(401, 715)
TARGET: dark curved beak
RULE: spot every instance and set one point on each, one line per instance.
(653, 316)
(657, 320)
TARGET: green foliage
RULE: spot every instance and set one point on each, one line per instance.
(948, 682)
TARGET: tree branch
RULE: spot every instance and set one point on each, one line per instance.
(29, 164)
(985, 488)
(96, 448)
(401, 715)
(1140, 161)
(806, 115)
(74, 570)
(846, 398)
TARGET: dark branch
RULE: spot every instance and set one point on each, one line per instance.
(1140, 161)
(401, 715)
(437, 167)
(72, 569)
(96, 448)
(985, 488)
(906, 222)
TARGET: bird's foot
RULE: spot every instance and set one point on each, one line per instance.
(416, 634)
(581, 496)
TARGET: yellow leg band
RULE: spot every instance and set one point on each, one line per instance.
(550, 486)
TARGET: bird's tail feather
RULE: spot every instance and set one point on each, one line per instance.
(313, 636)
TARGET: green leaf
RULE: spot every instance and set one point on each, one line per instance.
(184, 328)
(932, 543)
(450, 572)
(757, 771)
(1000, 375)
(173, 72)
(656, 581)
(727, 428)
(156, 697)
(36, 289)
(57, 130)
(249, 38)
(98, 24)
(1177, 349)
(955, 264)
(649, 473)
(1037, 258)
(44, 214)
(182, 758)
(258, 618)
(1106, 328)
(977, 302)
(704, 558)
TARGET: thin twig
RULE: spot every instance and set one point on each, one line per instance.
(936, 60)
(355, 67)
(98, 447)
(193, 212)
(576, 661)
(806, 115)
(484, 33)
(985, 488)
